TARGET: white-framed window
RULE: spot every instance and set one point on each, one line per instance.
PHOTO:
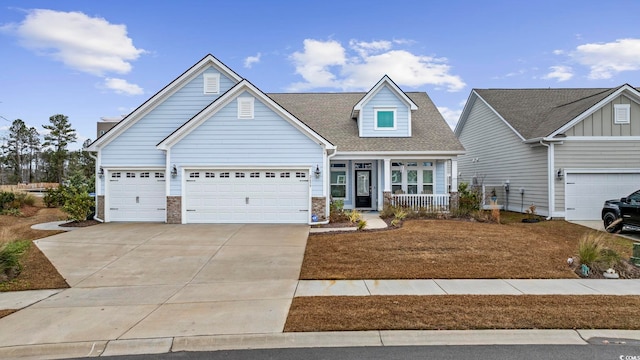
(209, 175)
(239, 175)
(159, 175)
(621, 113)
(245, 107)
(194, 175)
(224, 175)
(301, 174)
(211, 83)
(254, 175)
(144, 175)
(270, 175)
(338, 180)
(412, 177)
(115, 175)
(131, 175)
(285, 175)
(384, 118)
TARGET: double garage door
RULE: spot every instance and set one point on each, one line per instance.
(587, 192)
(247, 196)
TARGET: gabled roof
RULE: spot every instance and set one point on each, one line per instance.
(386, 80)
(539, 113)
(227, 97)
(172, 87)
(330, 115)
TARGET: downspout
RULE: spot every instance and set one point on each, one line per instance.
(550, 190)
(95, 201)
(327, 179)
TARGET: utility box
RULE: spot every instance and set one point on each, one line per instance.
(635, 259)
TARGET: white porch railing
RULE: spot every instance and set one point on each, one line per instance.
(427, 202)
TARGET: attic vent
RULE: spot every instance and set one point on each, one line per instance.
(211, 83)
(245, 108)
(622, 113)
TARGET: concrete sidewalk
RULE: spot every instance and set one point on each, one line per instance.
(468, 287)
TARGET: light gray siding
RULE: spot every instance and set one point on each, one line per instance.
(266, 140)
(620, 154)
(501, 155)
(385, 98)
(601, 123)
(137, 145)
(440, 177)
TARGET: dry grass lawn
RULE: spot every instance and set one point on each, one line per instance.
(450, 249)
(463, 312)
(37, 272)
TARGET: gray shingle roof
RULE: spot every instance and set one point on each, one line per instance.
(329, 114)
(537, 113)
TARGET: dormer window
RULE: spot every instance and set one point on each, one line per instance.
(622, 113)
(211, 83)
(385, 118)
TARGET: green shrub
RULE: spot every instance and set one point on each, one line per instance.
(11, 212)
(78, 205)
(354, 216)
(55, 197)
(362, 224)
(336, 211)
(400, 213)
(589, 248)
(24, 198)
(10, 254)
(469, 200)
(6, 200)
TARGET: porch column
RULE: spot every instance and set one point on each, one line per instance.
(454, 175)
(387, 175)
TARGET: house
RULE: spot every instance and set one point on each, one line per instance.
(563, 150)
(211, 147)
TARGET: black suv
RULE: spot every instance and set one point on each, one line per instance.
(623, 213)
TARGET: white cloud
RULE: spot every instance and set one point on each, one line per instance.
(560, 73)
(84, 43)
(558, 52)
(608, 59)
(329, 64)
(451, 116)
(121, 86)
(250, 60)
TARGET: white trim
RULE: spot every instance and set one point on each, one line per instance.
(224, 100)
(622, 109)
(595, 107)
(346, 182)
(406, 155)
(130, 167)
(601, 138)
(211, 83)
(162, 95)
(374, 90)
(602, 171)
(377, 109)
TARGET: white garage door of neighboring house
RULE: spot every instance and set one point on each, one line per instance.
(585, 193)
(247, 196)
(136, 196)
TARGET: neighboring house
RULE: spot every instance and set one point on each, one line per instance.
(210, 147)
(564, 150)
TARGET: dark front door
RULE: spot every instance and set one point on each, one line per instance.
(363, 188)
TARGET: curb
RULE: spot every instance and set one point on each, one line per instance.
(318, 339)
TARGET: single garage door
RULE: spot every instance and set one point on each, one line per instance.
(247, 196)
(586, 193)
(137, 196)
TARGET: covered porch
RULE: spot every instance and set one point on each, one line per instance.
(419, 183)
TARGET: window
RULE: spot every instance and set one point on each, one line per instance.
(144, 175)
(270, 174)
(412, 181)
(245, 108)
(194, 175)
(622, 114)
(254, 175)
(427, 181)
(301, 175)
(338, 183)
(209, 175)
(385, 119)
(131, 175)
(224, 175)
(285, 174)
(211, 83)
(115, 175)
(159, 175)
(362, 166)
(412, 177)
(239, 175)
(396, 181)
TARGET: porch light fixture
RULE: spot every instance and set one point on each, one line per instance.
(317, 172)
(559, 174)
(174, 171)
(101, 173)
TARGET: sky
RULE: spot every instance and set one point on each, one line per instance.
(93, 59)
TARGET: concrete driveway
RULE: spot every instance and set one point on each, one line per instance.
(135, 281)
(598, 225)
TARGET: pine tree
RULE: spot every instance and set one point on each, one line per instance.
(60, 135)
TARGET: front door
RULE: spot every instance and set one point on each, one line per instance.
(363, 188)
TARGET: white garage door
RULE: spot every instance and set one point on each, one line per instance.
(136, 196)
(586, 193)
(247, 196)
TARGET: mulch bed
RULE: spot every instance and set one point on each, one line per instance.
(450, 249)
(463, 312)
(83, 223)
